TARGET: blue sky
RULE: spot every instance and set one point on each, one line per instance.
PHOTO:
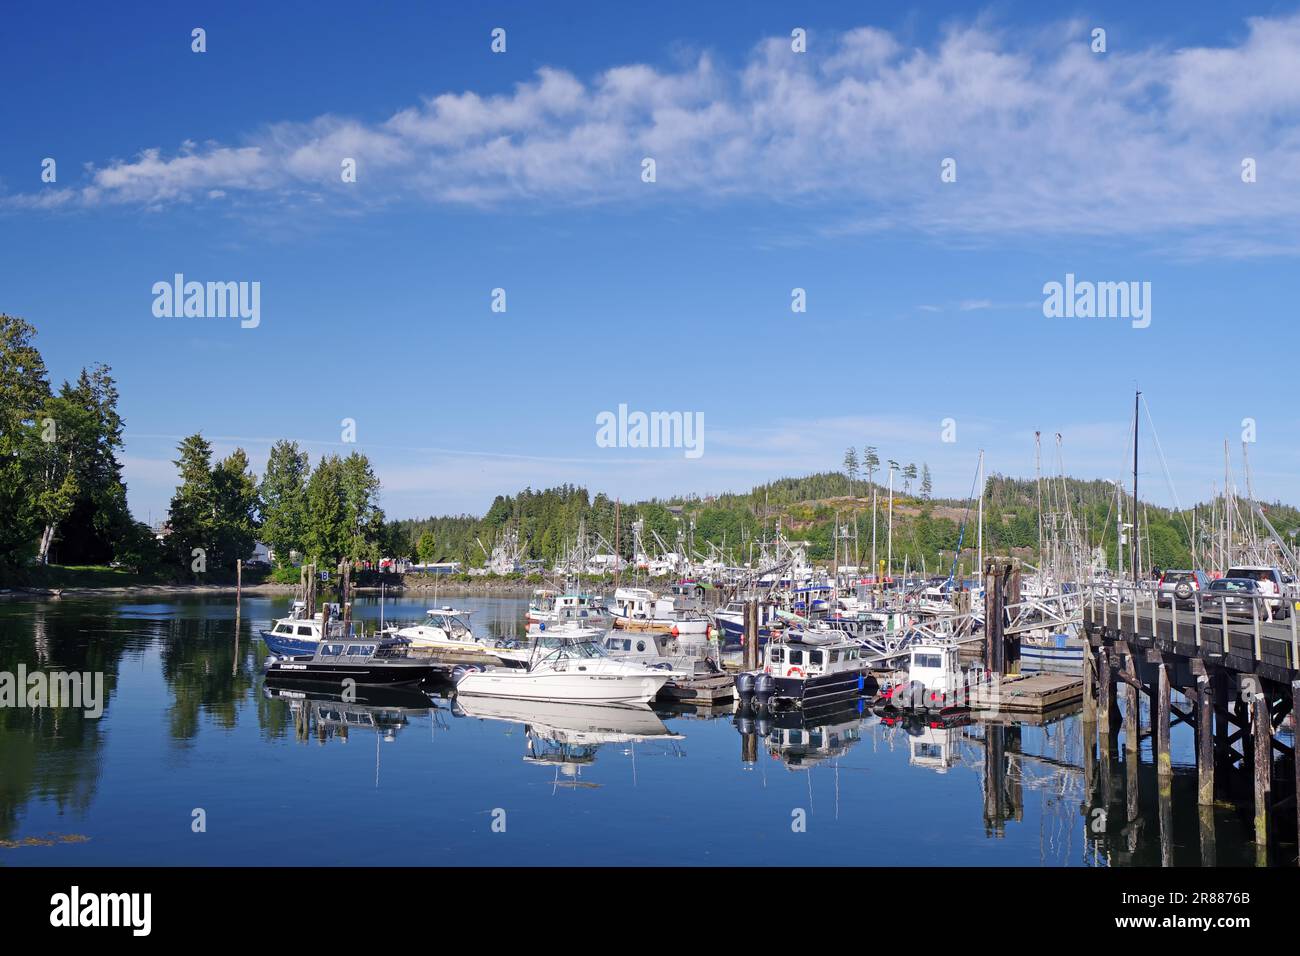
(775, 170)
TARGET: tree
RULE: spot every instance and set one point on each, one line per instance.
(427, 548)
(851, 466)
(328, 531)
(235, 511)
(23, 390)
(284, 501)
(927, 485)
(192, 514)
(364, 517)
(870, 462)
(82, 497)
(909, 476)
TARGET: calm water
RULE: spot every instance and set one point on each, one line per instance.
(416, 780)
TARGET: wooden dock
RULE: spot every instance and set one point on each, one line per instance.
(1030, 694)
(711, 689)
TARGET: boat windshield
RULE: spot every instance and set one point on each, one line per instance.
(564, 650)
(454, 626)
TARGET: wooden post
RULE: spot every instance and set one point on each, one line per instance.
(239, 580)
(1204, 741)
(1262, 723)
(994, 607)
(1208, 848)
(1164, 763)
(1105, 701)
(1132, 717)
(751, 635)
(1089, 688)
(1295, 716)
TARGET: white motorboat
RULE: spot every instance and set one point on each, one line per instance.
(676, 613)
(552, 607)
(564, 669)
(447, 629)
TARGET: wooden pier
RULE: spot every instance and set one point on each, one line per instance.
(1238, 678)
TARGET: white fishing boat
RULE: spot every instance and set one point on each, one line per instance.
(447, 629)
(677, 613)
(562, 669)
(552, 607)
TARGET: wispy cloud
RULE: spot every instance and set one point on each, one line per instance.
(1049, 138)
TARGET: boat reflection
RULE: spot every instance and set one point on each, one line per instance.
(933, 741)
(801, 739)
(568, 736)
(324, 716)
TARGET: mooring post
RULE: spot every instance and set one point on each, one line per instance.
(1204, 741)
(1295, 716)
(1105, 705)
(1262, 722)
(751, 635)
(1164, 763)
(1132, 722)
(1089, 687)
(994, 608)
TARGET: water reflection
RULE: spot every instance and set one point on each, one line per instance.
(187, 717)
(567, 737)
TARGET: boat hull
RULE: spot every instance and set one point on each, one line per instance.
(824, 689)
(562, 688)
(302, 671)
(283, 645)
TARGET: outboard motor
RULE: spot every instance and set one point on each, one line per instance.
(745, 684)
(460, 670)
(764, 687)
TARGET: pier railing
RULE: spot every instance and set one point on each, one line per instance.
(1204, 624)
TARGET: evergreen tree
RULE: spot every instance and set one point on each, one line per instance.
(927, 485)
(851, 466)
(192, 515)
(328, 531)
(870, 462)
(284, 501)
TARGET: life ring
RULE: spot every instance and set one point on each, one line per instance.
(794, 670)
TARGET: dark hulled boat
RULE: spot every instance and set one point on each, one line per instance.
(369, 661)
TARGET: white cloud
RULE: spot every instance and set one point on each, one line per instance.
(1049, 138)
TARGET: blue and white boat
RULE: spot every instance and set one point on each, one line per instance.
(298, 634)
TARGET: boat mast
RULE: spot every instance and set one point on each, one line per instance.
(889, 548)
(1133, 544)
(980, 535)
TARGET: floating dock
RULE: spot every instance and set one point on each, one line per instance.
(709, 689)
(1032, 694)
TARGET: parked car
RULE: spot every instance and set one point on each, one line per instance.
(1270, 583)
(1231, 597)
(1181, 586)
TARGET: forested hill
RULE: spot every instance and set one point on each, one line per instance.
(806, 508)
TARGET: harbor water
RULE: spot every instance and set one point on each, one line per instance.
(194, 762)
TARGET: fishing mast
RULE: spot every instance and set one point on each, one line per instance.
(1133, 553)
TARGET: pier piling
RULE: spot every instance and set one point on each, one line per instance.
(1204, 742)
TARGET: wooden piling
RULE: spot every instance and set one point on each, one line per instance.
(994, 612)
(1132, 715)
(1090, 687)
(1209, 849)
(751, 635)
(1205, 741)
(1105, 699)
(1295, 716)
(1164, 762)
(1262, 724)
